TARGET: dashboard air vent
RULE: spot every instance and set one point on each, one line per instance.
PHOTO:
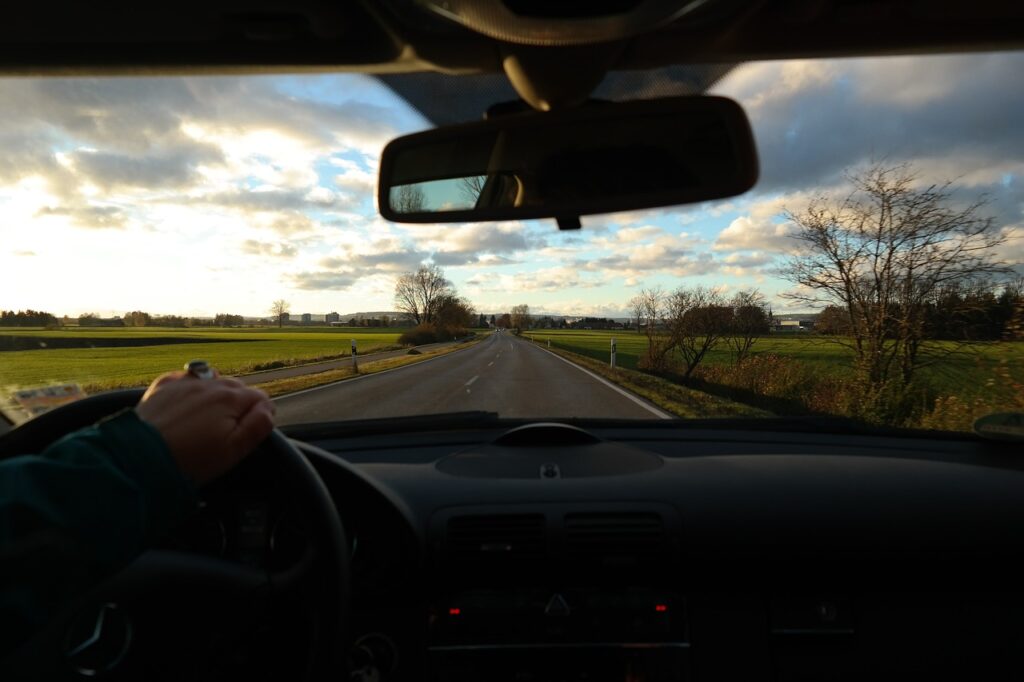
(496, 537)
(615, 537)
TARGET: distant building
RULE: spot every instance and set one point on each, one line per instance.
(331, 318)
(793, 323)
(307, 318)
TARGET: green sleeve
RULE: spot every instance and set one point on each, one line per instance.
(80, 511)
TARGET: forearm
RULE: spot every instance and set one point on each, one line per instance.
(79, 512)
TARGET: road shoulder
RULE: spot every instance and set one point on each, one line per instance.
(667, 397)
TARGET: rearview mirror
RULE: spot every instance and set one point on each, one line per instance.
(601, 158)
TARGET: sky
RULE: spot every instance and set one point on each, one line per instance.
(197, 196)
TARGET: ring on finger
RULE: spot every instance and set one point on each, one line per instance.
(200, 369)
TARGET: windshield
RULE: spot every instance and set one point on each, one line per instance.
(873, 272)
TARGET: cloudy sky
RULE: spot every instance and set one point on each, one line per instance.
(204, 195)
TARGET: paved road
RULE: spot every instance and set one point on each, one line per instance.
(502, 374)
(340, 363)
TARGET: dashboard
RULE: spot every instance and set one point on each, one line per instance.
(526, 552)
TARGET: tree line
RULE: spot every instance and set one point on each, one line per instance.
(976, 311)
(135, 318)
(140, 318)
(906, 274)
(28, 318)
(684, 325)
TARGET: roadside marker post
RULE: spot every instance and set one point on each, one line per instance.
(613, 354)
(355, 361)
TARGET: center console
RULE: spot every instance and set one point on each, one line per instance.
(571, 635)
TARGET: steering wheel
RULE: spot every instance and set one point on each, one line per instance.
(183, 615)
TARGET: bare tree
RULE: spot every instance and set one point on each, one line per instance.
(659, 342)
(749, 321)
(881, 253)
(418, 294)
(471, 187)
(521, 317)
(637, 306)
(697, 319)
(408, 199)
(279, 309)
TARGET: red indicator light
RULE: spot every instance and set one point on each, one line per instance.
(661, 608)
(454, 612)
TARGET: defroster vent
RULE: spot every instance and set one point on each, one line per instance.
(629, 536)
(496, 537)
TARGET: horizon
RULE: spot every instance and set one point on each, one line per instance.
(348, 316)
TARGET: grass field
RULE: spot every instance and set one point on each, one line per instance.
(966, 374)
(98, 365)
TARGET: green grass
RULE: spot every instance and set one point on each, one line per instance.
(235, 351)
(968, 373)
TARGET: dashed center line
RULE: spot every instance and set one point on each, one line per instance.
(470, 382)
(490, 363)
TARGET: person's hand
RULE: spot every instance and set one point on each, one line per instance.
(209, 424)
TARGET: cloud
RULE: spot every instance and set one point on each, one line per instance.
(184, 140)
(580, 308)
(322, 280)
(813, 119)
(746, 233)
(1012, 251)
(254, 247)
(354, 178)
(543, 280)
(24, 254)
(635, 253)
(276, 199)
(474, 243)
(386, 260)
(89, 215)
(159, 169)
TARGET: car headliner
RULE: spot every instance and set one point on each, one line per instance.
(400, 36)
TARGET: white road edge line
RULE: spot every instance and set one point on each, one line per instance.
(636, 399)
(470, 382)
(366, 376)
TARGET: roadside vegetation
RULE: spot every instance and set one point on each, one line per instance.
(923, 325)
(810, 374)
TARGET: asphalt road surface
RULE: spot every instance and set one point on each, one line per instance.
(340, 363)
(502, 374)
